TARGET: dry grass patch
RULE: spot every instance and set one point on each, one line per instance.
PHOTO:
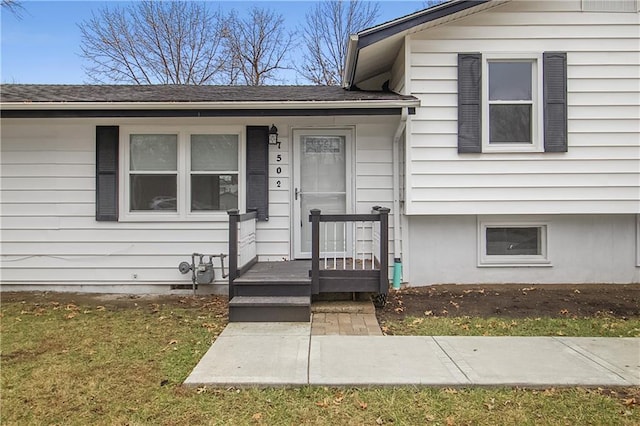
(66, 362)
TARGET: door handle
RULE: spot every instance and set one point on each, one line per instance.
(296, 194)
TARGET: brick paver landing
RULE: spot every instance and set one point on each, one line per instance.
(344, 319)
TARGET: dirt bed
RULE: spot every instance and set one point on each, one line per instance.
(507, 301)
(513, 301)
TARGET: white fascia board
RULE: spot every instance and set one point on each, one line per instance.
(373, 104)
(351, 60)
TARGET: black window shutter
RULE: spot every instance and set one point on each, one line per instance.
(469, 102)
(258, 170)
(555, 101)
(107, 141)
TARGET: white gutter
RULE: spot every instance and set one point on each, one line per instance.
(366, 104)
(396, 183)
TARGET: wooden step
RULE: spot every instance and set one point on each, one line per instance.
(270, 309)
(272, 287)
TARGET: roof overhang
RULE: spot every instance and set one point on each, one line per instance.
(205, 109)
(371, 52)
(368, 104)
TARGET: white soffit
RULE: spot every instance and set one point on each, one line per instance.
(378, 58)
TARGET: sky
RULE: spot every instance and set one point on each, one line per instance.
(43, 45)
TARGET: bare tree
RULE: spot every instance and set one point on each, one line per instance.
(326, 35)
(13, 6)
(154, 42)
(257, 46)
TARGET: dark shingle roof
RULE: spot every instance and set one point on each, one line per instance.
(33, 93)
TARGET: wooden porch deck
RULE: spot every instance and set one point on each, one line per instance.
(265, 272)
(282, 291)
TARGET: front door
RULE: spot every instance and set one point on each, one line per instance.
(322, 176)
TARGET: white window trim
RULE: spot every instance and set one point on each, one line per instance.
(184, 212)
(484, 260)
(537, 111)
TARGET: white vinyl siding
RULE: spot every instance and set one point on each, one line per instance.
(51, 239)
(600, 173)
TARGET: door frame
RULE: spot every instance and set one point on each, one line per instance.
(350, 162)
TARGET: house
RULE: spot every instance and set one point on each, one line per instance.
(502, 135)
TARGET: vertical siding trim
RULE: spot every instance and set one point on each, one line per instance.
(555, 101)
(469, 103)
(107, 146)
(258, 170)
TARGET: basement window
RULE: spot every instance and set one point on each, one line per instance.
(512, 244)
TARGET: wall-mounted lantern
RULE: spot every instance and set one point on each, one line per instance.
(273, 135)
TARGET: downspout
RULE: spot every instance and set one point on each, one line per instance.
(397, 260)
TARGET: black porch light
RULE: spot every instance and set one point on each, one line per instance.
(273, 135)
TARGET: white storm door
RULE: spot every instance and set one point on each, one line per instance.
(322, 180)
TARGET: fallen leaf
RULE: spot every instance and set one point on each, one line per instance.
(379, 421)
(363, 405)
(576, 291)
(428, 313)
(417, 321)
(450, 421)
(450, 391)
(564, 312)
(454, 304)
(324, 403)
(257, 416)
(71, 315)
(629, 401)
(100, 308)
(202, 389)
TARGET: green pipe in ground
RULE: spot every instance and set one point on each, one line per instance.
(397, 273)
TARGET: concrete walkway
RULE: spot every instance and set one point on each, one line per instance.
(288, 354)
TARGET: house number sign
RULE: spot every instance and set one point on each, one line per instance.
(279, 169)
(322, 145)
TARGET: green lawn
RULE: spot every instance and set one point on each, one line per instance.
(69, 364)
(598, 326)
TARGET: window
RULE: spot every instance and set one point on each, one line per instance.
(214, 172)
(179, 174)
(512, 244)
(511, 104)
(153, 172)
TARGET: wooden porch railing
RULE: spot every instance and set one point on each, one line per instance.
(364, 269)
(242, 244)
